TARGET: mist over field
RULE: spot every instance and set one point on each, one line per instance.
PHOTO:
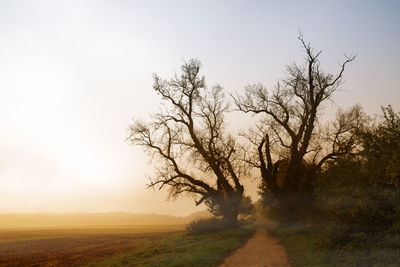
(113, 219)
(76, 73)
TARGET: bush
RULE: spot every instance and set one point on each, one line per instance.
(348, 196)
(205, 226)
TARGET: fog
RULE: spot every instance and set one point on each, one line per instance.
(75, 73)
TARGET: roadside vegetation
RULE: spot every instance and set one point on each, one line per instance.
(316, 245)
(354, 219)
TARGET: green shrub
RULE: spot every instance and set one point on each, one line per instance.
(205, 226)
(346, 195)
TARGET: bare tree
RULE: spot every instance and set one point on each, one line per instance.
(285, 139)
(188, 142)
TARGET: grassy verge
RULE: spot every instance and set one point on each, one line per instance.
(311, 246)
(301, 245)
(185, 249)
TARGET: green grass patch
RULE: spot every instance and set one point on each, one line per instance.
(310, 246)
(185, 249)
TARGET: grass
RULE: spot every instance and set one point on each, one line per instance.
(300, 245)
(307, 246)
(184, 249)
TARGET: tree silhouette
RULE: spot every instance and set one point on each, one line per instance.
(285, 138)
(188, 142)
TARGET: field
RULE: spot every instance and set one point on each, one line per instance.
(166, 245)
(75, 246)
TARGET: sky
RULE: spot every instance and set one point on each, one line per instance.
(73, 75)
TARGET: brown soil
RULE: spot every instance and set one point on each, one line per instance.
(261, 250)
(67, 248)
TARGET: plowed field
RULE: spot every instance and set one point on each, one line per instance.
(73, 247)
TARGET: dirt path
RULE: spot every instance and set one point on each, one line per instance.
(260, 250)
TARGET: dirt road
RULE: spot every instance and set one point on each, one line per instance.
(260, 250)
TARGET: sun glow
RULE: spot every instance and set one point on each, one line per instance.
(74, 75)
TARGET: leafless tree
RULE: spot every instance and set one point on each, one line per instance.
(288, 149)
(188, 142)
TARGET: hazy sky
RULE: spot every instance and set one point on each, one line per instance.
(74, 73)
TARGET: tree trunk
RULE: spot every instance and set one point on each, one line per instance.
(230, 217)
(229, 211)
(295, 192)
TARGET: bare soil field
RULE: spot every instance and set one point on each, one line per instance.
(74, 247)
